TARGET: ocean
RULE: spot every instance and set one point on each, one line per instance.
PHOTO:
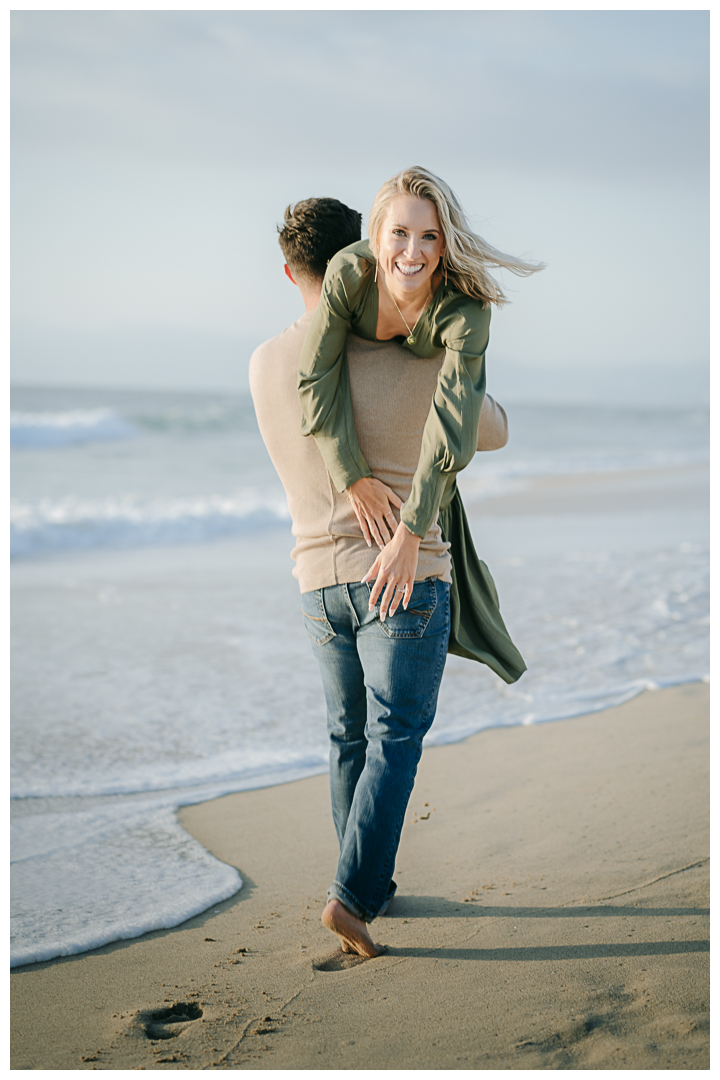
(158, 655)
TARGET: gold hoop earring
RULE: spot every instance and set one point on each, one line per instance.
(376, 270)
(445, 268)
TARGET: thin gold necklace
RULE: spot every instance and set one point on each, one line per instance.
(411, 333)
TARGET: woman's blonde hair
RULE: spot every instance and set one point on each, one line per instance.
(467, 255)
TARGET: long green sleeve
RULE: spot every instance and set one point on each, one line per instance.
(461, 327)
(323, 381)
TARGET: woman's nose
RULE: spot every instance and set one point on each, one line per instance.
(412, 247)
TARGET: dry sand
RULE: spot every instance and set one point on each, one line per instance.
(552, 913)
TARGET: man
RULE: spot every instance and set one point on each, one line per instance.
(381, 676)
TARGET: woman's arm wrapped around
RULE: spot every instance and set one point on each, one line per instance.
(450, 438)
(324, 388)
(323, 381)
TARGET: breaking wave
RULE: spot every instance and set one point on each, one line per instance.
(67, 428)
(81, 524)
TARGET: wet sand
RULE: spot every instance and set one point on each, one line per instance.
(552, 912)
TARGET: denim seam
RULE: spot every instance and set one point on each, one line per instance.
(392, 851)
(350, 604)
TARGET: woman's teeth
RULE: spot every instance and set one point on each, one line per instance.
(409, 271)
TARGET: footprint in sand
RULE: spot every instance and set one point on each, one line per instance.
(169, 1023)
(337, 961)
(340, 961)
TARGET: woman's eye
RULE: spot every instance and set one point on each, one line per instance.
(429, 236)
(398, 232)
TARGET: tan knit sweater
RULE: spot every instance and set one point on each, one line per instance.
(391, 393)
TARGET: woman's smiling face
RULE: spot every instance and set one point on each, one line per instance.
(410, 244)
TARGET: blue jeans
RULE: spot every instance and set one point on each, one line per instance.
(381, 684)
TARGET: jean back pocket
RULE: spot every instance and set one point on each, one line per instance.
(317, 625)
(413, 622)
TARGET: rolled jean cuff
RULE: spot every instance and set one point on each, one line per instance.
(339, 892)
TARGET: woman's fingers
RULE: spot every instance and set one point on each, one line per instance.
(390, 590)
(381, 525)
(393, 593)
(373, 504)
(368, 524)
(373, 571)
(388, 493)
(376, 590)
(363, 523)
(390, 604)
(376, 535)
(401, 596)
(394, 572)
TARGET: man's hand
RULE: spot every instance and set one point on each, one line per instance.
(492, 426)
(394, 571)
(373, 504)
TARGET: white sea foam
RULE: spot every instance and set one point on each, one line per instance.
(51, 525)
(65, 428)
(141, 869)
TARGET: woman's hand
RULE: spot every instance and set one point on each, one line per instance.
(372, 502)
(394, 571)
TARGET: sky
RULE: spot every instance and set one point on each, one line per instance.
(154, 152)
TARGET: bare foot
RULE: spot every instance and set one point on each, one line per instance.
(353, 933)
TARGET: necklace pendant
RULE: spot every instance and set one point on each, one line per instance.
(411, 340)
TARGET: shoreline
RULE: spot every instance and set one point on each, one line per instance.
(596, 829)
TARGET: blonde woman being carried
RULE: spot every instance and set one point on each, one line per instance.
(422, 278)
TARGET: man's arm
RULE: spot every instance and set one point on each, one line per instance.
(493, 425)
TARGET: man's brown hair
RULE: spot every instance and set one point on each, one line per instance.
(314, 230)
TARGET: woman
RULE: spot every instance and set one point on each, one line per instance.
(422, 278)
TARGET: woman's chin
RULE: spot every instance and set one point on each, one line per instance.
(410, 285)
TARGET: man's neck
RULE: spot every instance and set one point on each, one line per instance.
(310, 288)
(311, 291)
